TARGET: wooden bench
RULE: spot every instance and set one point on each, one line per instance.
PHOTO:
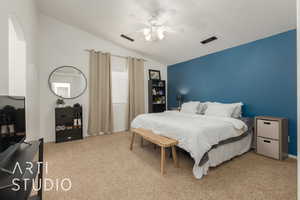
(159, 140)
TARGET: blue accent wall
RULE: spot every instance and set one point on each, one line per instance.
(261, 74)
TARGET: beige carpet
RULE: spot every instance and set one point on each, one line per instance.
(102, 167)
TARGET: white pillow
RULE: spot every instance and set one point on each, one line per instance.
(237, 112)
(190, 107)
(219, 110)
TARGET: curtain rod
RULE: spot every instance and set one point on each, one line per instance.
(89, 50)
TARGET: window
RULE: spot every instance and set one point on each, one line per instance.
(119, 93)
(119, 81)
(62, 89)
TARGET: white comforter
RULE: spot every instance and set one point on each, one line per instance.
(196, 133)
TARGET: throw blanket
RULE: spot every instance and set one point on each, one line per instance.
(195, 133)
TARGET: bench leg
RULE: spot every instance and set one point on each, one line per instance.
(142, 142)
(163, 160)
(174, 155)
(132, 140)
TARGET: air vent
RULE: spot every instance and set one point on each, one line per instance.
(209, 40)
(127, 38)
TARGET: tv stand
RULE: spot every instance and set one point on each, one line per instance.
(26, 153)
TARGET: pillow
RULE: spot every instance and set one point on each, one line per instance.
(237, 112)
(219, 110)
(203, 106)
(190, 107)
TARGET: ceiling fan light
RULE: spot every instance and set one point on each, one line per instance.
(160, 34)
(146, 31)
(148, 37)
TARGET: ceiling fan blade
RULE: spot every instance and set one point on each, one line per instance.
(169, 29)
(157, 10)
(140, 21)
(165, 15)
(140, 31)
(137, 35)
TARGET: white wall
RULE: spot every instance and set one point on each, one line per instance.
(61, 44)
(25, 12)
(16, 58)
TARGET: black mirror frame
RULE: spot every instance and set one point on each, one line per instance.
(49, 84)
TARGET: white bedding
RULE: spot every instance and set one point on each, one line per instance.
(225, 152)
(195, 133)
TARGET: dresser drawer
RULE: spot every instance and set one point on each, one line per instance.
(268, 129)
(66, 135)
(268, 147)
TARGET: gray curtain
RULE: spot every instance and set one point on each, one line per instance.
(100, 94)
(136, 100)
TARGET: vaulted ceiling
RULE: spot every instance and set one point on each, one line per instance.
(234, 22)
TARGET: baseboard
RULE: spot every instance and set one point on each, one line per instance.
(292, 156)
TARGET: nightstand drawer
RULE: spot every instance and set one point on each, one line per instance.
(268, 129)
(268, 147)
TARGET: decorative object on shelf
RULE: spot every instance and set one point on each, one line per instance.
(11, 123)
(179, 99)
(68, 123)
(60, 103)
(153, 91)
(154, 74)
(67, 82)
(4, 129)
(157, 96)
(11, 128)
(76, 105)
(60, 128)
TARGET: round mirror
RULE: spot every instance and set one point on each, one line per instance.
(67, 82)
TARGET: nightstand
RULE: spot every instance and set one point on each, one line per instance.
(271, 134)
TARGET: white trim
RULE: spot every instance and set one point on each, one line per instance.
(292, 156)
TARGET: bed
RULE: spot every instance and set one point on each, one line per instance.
(210, 140)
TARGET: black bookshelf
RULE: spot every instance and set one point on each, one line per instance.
(27, 153)
(68, 123)
(157, 96)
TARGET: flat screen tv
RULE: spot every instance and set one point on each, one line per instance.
(12, 125)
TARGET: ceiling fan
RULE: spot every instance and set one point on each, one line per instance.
(155, 29)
